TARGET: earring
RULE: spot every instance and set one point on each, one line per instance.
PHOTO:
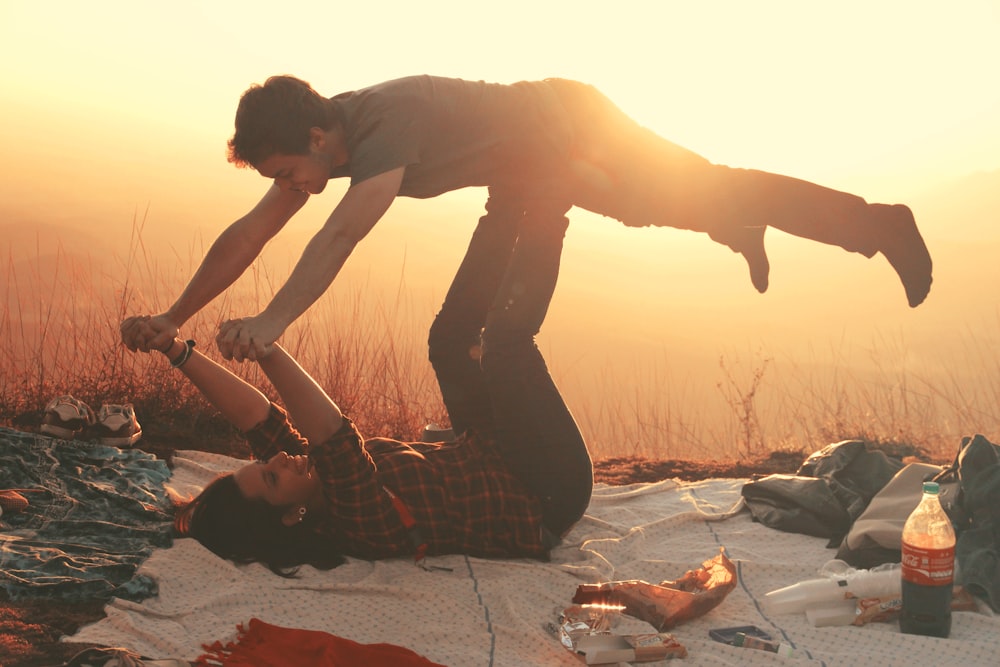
(302, 514)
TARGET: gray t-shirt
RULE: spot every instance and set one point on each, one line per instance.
(452, 133)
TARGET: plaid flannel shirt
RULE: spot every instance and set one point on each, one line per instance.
(461, 494)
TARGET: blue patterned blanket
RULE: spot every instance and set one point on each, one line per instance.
(94, 514)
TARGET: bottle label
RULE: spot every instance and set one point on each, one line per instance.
(928, 567)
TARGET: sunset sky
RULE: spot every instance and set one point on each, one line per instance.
(128, 100)
(119, 110)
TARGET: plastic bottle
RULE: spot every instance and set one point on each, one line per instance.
(928, 568)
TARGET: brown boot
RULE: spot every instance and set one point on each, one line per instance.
(756, 257)
(749, 242)
(897, 237)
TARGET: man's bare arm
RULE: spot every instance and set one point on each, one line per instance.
(230, 255)
(362, 206)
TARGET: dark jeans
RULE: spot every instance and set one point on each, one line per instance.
(482, 346)
(624, 170)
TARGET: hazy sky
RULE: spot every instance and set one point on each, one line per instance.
(113, 108)
(124, 100)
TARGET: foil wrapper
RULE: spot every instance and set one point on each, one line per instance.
(587, 631)
(668, 603)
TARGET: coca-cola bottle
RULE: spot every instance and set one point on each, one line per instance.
(928, 568)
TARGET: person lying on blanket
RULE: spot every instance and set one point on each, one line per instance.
(513, 482)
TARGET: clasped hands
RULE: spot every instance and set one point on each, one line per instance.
(245, 339)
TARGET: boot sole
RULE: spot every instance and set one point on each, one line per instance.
(121, 441)
(60, 431)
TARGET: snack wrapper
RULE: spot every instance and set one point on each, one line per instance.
(669, 603)
(888, 608)
(586, 631)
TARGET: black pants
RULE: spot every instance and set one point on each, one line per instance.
(482, 346)
(623, 170)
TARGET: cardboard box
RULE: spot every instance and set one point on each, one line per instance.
(602, 649)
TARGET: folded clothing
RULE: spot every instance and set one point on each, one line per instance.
(92, 514)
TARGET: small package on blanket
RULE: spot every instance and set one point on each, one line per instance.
(611, 649)
(888, 607)
(586, 630)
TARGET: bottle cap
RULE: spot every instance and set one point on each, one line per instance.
(931, 488)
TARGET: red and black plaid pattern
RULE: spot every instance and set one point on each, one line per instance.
(460, 493)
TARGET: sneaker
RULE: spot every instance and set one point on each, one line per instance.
(66, 417)
(436, 433)
(117, 426)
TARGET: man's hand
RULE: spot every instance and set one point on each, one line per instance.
(144, 333)
(132, 331)
(160, 332)
(247, 339)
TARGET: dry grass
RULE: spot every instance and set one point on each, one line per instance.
(60, 318)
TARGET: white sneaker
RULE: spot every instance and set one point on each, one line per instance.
(117, 426)
(66, 417)
(436, 433)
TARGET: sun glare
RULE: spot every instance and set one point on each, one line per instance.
(822, 92)
(120, 110)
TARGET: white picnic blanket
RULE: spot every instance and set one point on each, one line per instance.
(502, 612)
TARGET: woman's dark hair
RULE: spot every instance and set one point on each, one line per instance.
(276, 118)
(249, 531)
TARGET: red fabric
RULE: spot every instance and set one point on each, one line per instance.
(12, 501)
(265, 645)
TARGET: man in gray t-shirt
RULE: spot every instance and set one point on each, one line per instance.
(450, 134)
(541, 147)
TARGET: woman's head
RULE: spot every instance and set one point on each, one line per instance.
(252, 529)
(284, 482)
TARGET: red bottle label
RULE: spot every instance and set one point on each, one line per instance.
(928, 567)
